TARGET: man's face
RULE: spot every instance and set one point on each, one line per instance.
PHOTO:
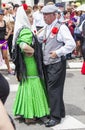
(49, 17)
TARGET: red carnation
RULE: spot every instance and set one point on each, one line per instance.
(3, 4)
(34, 31)
(25, 6)
(55, 30)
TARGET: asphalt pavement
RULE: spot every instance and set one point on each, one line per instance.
(74, 98)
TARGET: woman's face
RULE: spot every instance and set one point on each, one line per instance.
(67, 16)
(30, 17)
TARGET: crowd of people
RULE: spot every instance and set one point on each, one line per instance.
(45, 36)
(69, 16)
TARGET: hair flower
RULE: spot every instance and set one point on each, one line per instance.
(25, 6)
(3, 4)
(55, 30)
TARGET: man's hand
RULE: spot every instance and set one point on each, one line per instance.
(53, 54)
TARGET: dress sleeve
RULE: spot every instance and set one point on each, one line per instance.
(25, 36)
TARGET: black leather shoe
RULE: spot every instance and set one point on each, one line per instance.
(51, 123)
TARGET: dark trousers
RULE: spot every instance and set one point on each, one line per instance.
(4, 89)
(55, 78)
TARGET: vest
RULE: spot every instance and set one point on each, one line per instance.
(51, 44)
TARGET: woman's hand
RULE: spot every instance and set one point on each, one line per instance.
(28, 50)
(29, 54)
(3, 44)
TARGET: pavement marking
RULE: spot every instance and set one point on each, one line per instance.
(69, 70)
(13, 87)
(71, 65)
(3, 66)
(69, 122)
(7, 78)
(75, 64)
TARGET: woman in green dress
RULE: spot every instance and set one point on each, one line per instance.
(31, 101)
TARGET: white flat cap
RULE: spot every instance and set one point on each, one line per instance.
(49, 9)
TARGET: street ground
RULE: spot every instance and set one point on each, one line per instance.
(74, 97)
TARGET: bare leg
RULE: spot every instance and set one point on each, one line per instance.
(5, 57)
(5, 123)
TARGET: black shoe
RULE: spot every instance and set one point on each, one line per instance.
(51, 123)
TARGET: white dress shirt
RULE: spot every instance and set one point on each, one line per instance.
(38, 19)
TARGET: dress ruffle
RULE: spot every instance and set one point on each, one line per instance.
(31, 100)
